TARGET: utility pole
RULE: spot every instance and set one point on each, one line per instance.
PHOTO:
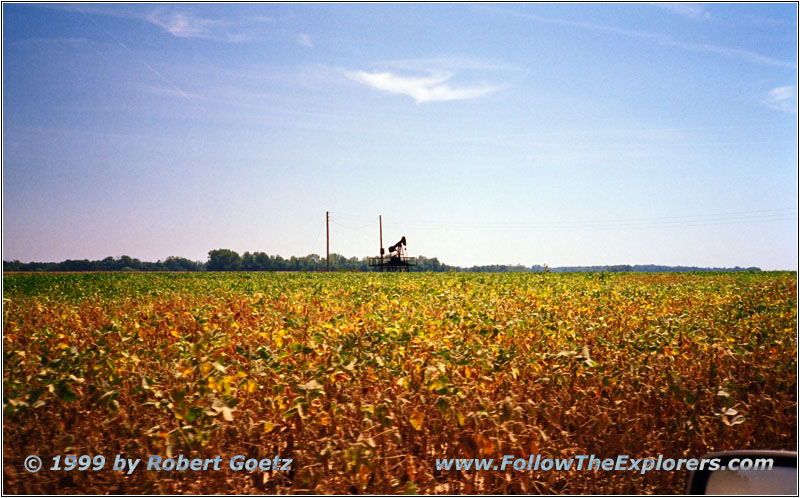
(328, 239)
(380, 228)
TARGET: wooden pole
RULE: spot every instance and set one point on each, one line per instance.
(380, 227)
(328, 239)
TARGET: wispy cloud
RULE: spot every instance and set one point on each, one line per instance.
(661, 39)
(171, 91)
(179, 21)
(431, 88)
(782, 98)
(439, 78)
(454, 64)
(187, 25)
(304, 40)
(691, 10)
(146, 64)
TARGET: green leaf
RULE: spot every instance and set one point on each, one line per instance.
(193, 414)
(65, 393)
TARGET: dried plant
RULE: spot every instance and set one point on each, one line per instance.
(365, 379)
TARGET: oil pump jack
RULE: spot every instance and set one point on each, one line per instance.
(396, 260)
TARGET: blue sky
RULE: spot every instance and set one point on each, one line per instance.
(565, 134)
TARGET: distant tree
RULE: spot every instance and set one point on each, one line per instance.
(129, 262)
(262, 261)
(107, 264)
(223, 260)
(76, 265)
(176, 263)
(248, 262)
(15, 265)
(228, 260)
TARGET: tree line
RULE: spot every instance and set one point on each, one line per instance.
(229, 260)
(219, 260)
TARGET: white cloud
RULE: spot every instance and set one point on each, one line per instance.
(422, 89)
(304, 40)
(181, 24)
(693, 11)
(782, 98)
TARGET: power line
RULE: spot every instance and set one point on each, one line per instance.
(599, 227)
(352, 228)
(650, 219)
(354, 219)
(313, 250)
(652, 222)
(595, 227)
(648, 223)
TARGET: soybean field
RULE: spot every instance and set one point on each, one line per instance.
(364, 380)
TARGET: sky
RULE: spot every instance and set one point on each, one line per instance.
(558, 134)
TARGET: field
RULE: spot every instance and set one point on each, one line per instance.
(365, 379)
